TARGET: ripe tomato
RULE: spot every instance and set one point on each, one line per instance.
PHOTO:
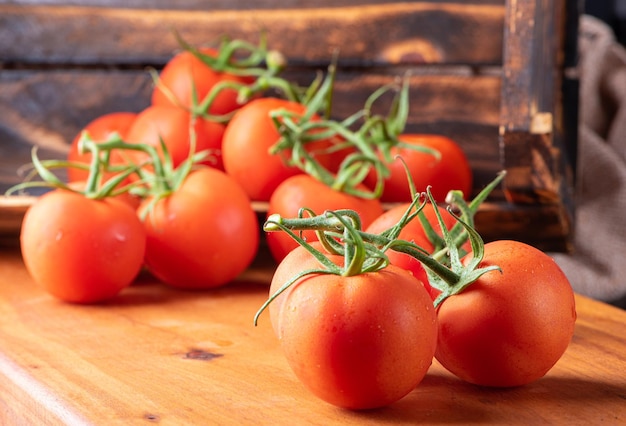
(172, 125)
(305, 191)
(185, 73)
(247, 140)
(99, 130)
(86, 260)
(450, 172)
(508, 328)
(202, 235)
(413, 232)
(357, 342)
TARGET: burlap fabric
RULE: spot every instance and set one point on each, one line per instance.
(597, 266)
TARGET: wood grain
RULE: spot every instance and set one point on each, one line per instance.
(158, 355)
(414, 32)
(48, 109)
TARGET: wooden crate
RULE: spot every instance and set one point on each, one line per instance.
(491, 74)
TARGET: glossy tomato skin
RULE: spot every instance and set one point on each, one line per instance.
(356, 342)
(172, 125)
(81, 250)
(413, 232)
(245, 148)
(305, 191)
(508, 329)
(204, 234)
(99, 129)
(184, 72)
(451, 172)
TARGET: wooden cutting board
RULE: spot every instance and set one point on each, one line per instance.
(156, 355)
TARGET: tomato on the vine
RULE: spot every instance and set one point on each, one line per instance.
(246, 147)
(203, 234)
(357, 342)
(303, 190)
(99, 130)
(451, 171)
(185, 72)
(84, 260)
(507, 328)
(173, 126)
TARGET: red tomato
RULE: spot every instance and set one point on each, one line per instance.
(357, 342)
(305, 191)
(413, 232)
(185, 72)
(247, 140)
(508, 328)
(99, 130)
(172, 125)
(451, 172)
(86, 260)
(202, 235)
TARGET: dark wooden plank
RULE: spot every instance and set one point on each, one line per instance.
(48, 109)
(227, 4)
(387, 33)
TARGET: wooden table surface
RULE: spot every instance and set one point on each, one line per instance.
(156, 355)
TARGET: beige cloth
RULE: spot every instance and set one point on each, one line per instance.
(597, 267)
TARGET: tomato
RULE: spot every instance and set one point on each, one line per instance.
(204, 234)
(451, 172)
(508, 328)
(172, 125)
(100, 129)
(86, 260)
(305, 191)
(358, 342)
(245, 148)
(185, 73)
(413, 232)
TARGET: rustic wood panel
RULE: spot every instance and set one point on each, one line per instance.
(411, 32)
(48, 108)
(227, 4)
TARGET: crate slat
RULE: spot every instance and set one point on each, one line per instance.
(383, 33)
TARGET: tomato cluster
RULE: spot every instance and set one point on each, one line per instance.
(148, 190)
(424, 287)
(362, 299)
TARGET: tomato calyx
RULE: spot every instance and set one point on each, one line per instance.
(360, 132)
(237, 58)
(158, 177)
(449, 245)
(95, 187)
(385, 131)
(359, 257)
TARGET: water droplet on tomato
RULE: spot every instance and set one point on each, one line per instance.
(58, 236)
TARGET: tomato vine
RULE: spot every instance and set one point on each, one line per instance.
(340, 233)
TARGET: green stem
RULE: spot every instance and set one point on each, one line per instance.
(333, 221)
